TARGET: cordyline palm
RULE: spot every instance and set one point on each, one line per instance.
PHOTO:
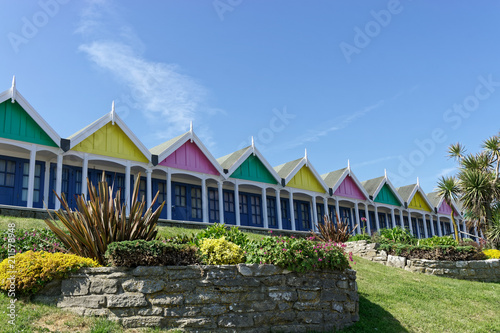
(448, 189)
(102, 220)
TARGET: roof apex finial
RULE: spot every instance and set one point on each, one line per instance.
(191, 126)
(253, 143)
(113, 113)
(13, 92)
(418, 182)
(385, 173)
(349, 165)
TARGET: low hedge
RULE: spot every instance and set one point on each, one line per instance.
(150, 253)
(436, 252)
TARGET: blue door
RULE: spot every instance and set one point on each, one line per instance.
(415, 226)
(160, 186)
(332, 213)
(285, 214)
(213, 205)
(382, 220)
(429, 229)
(320, 212)
(180, 202)
(250, 209)
(272, 219)
(363, 224)
(229, 214)
(71, 184)
(302, 215)
(14, 179)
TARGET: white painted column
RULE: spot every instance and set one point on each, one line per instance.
(393, 218)
(465, 228)
(356, 211)
(292, 211)
(475, 232)
(46, 184)
(315, 214)
(264, 208)
(337, 210)
(31, 177)
(401, 218)
(325, 205)
(58, 179)
(220, 194)
(452, 228)
(237, 203)
(377, 223)
(426, 232)
(204, 199)
(168, 204)
(367, 216)
(409, 222)
(278, 209)
(127, 187)
(149, 188)
(85, 171)
(440, 231)
(433, 232)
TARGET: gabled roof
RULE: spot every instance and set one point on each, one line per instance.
(408, 192)
(335, 178)
(232, 161)
(374, 186)
(288, 170)
(112, 117)
(437, 201)
(167, 148)
(16, 96)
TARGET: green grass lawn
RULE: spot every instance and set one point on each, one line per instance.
(391, 300)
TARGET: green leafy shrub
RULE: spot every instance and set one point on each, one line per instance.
(150, 253)
(219, 251)
(33, 239)
(34, 269)
(492, 254)
(218, 230)
(436, 240)
(395, 235)
(102, 220)
(182, 239)
(359, 237)
(297, 254)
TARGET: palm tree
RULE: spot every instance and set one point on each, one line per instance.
(448, 189)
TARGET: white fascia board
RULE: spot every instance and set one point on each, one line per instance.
(239, 161)
(89, 130)
(295, 170)
(6, 95)
(318, 177)
(340, 180)
(267, 165)
(208, 154)
(393, 189)
(132, 136)
(166, 153)
(358, 183)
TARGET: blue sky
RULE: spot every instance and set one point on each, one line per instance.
(385, 84)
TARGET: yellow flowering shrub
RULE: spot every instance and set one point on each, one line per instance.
(492, 254)
(28, 272)
(221, 252)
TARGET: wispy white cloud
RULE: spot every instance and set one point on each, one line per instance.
(445, 172)
(375, 161)
(168, 98)
(340, 123)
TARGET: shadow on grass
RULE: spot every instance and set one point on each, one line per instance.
(373, 318)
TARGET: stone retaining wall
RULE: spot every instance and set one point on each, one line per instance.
(476, 270)
(238, 298)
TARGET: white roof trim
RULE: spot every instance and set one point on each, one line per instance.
(253, 150)
(193, 137)
(7, 94)
(393, 189)
(348, 172)
(305, 161)
(101, 122)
